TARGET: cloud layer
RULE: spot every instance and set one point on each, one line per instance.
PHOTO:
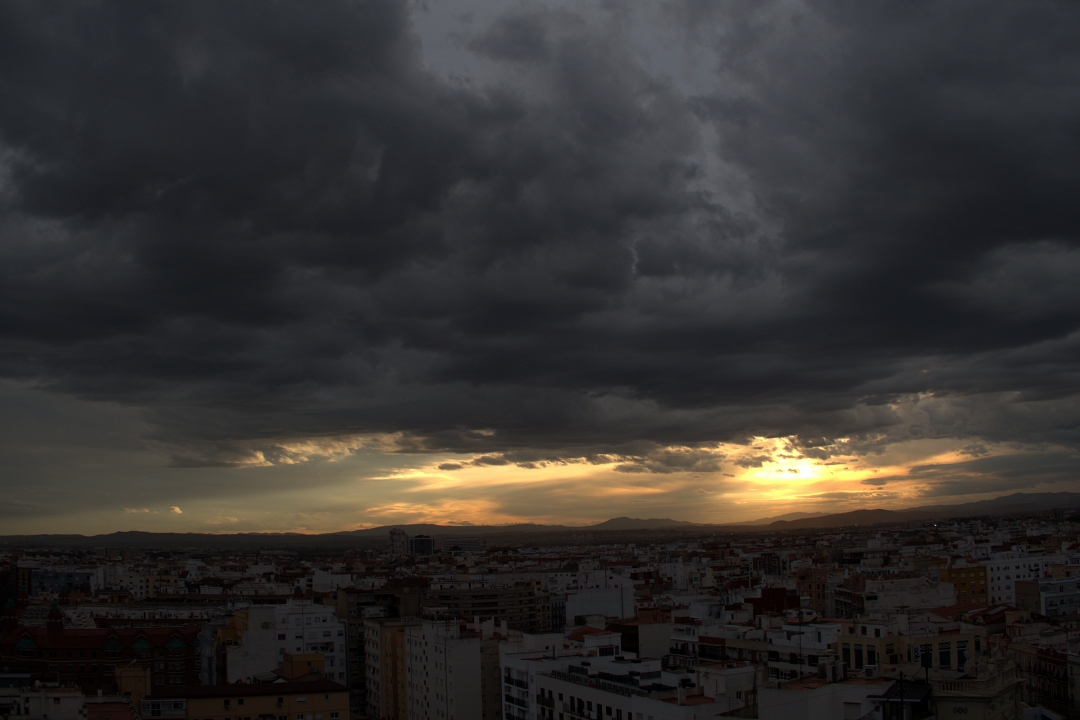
(285, 231)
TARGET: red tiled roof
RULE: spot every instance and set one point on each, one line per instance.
(109, 711)
(246, 690)
(96, 637)
(580, 633)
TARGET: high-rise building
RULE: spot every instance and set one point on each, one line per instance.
(443, 677)
(354, 606)
(522, 606)
(422, 545)
(399, 543)
(385, 667)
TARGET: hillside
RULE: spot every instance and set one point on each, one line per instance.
(1017, 502)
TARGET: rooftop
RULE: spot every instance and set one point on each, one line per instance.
(245, 690)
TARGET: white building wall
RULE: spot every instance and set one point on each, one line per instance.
(298, 627)
(442, 672)
(601, 593)
(258, 651)
(1005, 568)
(322, 632)
(826, 702)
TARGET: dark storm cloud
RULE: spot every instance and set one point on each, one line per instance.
(269, 222)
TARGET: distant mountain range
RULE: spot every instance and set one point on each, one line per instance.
(786, 516)
(1018, 502)
(1007, 504)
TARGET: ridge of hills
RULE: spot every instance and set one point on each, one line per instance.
(1017, 502)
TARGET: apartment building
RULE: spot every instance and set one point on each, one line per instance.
(354, 606)
(88, 658)
(632, 689)
(818, 584)
(386, 670)
(895, 640)
(316, 700)
(522, 606)
(970, 581)
(1052, 597)
(443, 675)
(796, 649)
(253, 641)
(1004, 569)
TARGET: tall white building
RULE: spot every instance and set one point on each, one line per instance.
(1003, 569)
(442, 671)
(267, 632)
(601, 593)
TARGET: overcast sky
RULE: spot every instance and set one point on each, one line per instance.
(316, 266)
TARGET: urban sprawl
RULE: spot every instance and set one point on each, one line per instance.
(976, 618)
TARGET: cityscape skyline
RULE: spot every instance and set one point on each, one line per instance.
(294, 269)
(539, 360)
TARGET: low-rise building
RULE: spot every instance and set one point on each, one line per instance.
(970, 583)
(315, 700)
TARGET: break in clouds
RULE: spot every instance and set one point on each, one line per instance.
(532, 233)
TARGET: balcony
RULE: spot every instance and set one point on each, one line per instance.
(523, 684)
(516, 701)
(545, 701)
(575, 712)
(986, 687)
